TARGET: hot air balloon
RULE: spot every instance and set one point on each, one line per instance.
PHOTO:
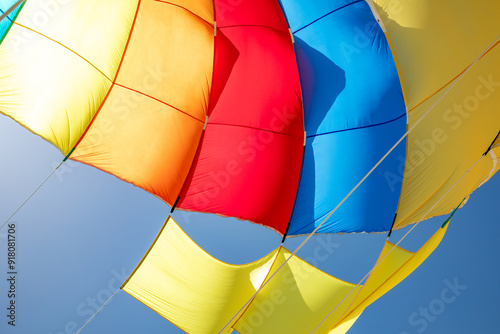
(319, 117)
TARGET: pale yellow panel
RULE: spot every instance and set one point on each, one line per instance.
(142, 141)
(449, 140)
(176, 49)
(393, 266)
(296, 300)
(434, 41)
(185, 285)
(58, 61)
(96, 30)
(49, 90)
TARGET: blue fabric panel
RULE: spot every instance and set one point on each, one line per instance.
(333, 164)
(354, 113)
(302, 13)
(6, 23)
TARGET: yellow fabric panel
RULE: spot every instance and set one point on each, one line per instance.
(128, 123)
(185, 285)
(449, 140)
(296, 300)
(80, 26)
(57, 62)
(434, 41)
(393, 267)
(344, 326)
(179, 57)
(497, 142)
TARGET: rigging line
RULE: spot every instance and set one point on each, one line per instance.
(364, 178)
(11, 9)
(394, 246)
(33, 193)
(99, 310)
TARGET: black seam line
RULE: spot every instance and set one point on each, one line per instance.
(187, 10)
(333, 11)
(358, 128)
(254, 25)
(492, 143)
(254, 128)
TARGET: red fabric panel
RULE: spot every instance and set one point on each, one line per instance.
(255, 77)
(245, 173)
(249, 160)
(265, 13)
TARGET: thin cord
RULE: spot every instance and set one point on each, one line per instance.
(392, 248)
(33, 193)
(99, 310)
(11, 9)
(363, 179)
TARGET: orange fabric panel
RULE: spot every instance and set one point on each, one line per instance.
(148, 129)
(129, 135)
(175, 48)
(202, 8)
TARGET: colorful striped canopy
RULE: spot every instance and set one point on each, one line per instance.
(268, 111)
(329, 116)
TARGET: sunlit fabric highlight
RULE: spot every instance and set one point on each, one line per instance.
(295, 300)
(203, 302)
(54, 77)
(459, 127)
(309, 295)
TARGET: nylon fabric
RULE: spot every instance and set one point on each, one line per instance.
(303, 13)
(117, 139)
(449, 140)
(201, 303)
(393, 266)
(344, 327)
(464, 123)
(148, 128)
(248, 163)
(372, 206)
(40, 58)
(133, 98)
(298, 297)
(434, 41)
(295, 300)
(354, 112)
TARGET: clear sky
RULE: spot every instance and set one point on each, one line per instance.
(85, 231)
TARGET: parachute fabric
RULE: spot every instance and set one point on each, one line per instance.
(296, 300)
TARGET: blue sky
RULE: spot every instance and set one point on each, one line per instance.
(84, 232)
